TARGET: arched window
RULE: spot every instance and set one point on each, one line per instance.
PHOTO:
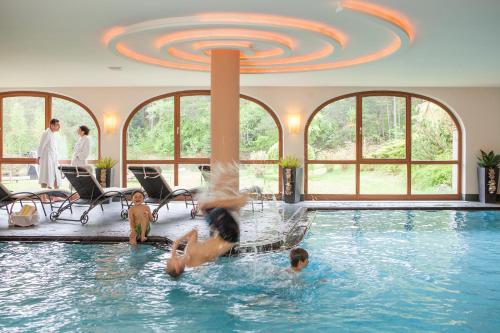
(23, 118)
(377, 145)
(172, 131)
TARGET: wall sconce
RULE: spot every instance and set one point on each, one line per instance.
(110, 122)
(294, 123)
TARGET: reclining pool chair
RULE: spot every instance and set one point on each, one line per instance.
(255, 192)
(159, 193)
(8, 198)
(90, 193)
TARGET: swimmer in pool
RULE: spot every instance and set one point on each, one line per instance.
(221, 209)
(299, 259)
(224, 235)
(139, 217)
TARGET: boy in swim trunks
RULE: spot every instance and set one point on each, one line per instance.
(224, 234)
(139, 217)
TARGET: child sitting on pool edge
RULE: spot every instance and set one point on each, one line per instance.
(299, 258)
(139, 216)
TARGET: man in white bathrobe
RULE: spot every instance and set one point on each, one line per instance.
(49, 175)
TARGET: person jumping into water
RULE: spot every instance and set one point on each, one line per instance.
(221, 208)
(224, 235)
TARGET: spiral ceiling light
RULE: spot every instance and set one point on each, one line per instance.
(267, 43)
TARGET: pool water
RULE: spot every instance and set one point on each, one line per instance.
(370, 271)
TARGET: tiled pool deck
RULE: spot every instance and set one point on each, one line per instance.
(279, 225)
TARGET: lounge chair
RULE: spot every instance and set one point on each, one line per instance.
(88, 192)
(255, 192)
(8, 198)
(159, 193)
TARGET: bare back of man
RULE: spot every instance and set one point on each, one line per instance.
(224, 236)
(198, 253)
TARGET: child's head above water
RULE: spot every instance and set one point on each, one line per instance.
(299, 258)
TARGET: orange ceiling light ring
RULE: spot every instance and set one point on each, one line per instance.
(275, 52)
(223, 34)
(129, 53)
(186, 56)
(208, 44)
(177, 53)
(184, 52)
(112, 34)
(249, 52)
(240, 39)
(387, 15)
(268, 43)
(276, 21)
(267, 54)
(324, 52)
(393, 47)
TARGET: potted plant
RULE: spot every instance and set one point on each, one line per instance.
(487, 173)
(104, 171)
(292, 179)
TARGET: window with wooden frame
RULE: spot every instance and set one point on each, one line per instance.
(383, 145)
(172, 131)
(24, 115)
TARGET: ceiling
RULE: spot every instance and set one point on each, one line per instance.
(55, 43)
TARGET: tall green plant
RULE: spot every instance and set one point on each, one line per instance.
(290, 162)
(105, 163)
(488, 160)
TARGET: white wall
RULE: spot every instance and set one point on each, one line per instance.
(477, 108)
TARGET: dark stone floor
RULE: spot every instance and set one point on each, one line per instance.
(277, 226)
(273, 227)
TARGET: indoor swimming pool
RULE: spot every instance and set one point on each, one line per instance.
(369, 271)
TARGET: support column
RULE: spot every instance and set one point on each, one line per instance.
(225, 110)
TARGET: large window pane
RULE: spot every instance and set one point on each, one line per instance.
(167, 171)
(23, 125)
(331, 179)
(258, 133)
(434, 136)
(190, 176)
(150, 134)
(434, 179)
(332, 132)
(263, 175)
(195, 126)
(383, 179)
(20, 177)
(384, 127)
(72, 116)
(23, 177)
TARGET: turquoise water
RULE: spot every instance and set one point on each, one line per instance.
(370, 271)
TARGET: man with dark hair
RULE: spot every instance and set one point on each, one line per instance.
(49, 175)
(82, 147)
(299, 258)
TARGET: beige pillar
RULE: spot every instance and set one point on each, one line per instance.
(225, 109)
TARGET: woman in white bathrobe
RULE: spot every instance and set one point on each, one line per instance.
(49, 175)
(82, 147)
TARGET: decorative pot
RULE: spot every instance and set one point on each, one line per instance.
(104, 176)
(292, 184)
(488, 184)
